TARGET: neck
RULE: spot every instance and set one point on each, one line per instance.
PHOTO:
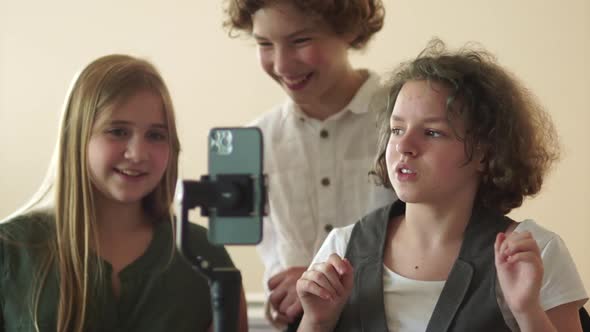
(336, 97)
(436, 225)
(118, 218)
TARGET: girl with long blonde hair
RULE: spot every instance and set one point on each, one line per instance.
(100, 255)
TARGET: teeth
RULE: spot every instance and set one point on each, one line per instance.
(295, 82)
(130, 172)
(406, 171)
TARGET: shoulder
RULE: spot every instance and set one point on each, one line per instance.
(542, 236)
(373, 85)
(271, 118)
(24, 241)
(279, 126)
(30, 227)
(201, 246)
(381, 214)
(336, 243)
(29, 218)
(341, 235)
(371, 96)
(374, 225)
(561, 281)
(552, 247)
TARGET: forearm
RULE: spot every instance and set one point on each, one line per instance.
(534, 320)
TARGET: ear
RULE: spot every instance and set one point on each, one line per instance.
(349, 37)
(480, 156)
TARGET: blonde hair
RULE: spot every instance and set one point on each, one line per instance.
(105, 82)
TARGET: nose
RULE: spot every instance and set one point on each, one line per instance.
(283, 61)
(137, 150)
(406, 145)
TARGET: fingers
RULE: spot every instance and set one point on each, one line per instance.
(309, 285)
(329, 275)
(526, 256)
(519, 242)
(280, 318)
(348, 277)
(277, 296)
(294, 311)
(342, 266)
(289, 300)
(325, 280)
(276, 280)
(345, 270)
(498, 256)
(507, 246)
(283, 292)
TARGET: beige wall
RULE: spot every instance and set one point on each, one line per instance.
(215, 81)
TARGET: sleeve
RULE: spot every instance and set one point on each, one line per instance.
(267, 248)
(561, 281)
(268, 252)
(335, 243)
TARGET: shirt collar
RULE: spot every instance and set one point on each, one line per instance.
(360, 103)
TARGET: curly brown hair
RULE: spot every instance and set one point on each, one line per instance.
(503, 120)
(362, 17)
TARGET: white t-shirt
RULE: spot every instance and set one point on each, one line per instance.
(409, 303)
(318, 176)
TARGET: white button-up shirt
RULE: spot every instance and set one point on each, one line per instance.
(318, 176)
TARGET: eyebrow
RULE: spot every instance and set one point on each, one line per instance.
(434, 119)
(128, 123)
(291, 35)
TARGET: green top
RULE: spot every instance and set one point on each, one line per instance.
(156, 294)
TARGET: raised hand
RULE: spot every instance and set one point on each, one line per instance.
(323, 290)
(283, 295)
(520, 271)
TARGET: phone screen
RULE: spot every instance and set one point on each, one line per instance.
(237, 151)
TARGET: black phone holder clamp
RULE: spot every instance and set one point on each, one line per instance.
(231, 195)
(226, 195)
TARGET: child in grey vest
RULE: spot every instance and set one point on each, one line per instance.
(462, 144)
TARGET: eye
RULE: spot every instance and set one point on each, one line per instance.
(263, 43)
(433, 133)
(302, 40)
(396, 131)
(157, 136)
(117, 132)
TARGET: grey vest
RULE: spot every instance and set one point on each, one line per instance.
(471, 299)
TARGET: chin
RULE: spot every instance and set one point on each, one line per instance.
(128, 198)
(408, 197)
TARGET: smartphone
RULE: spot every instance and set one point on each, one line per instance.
(235, 152)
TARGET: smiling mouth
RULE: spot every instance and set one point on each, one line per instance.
(298, 83)
(130, 172)
(406, 171)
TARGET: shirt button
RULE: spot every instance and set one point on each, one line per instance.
(325, 182)
(328, 228)
(324, 133)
